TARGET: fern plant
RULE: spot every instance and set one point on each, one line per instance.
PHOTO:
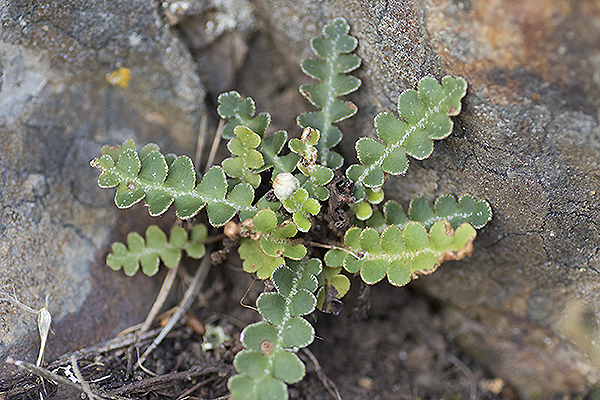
(379, 241)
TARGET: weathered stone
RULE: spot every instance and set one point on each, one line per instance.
(528, 141)
(56, 110)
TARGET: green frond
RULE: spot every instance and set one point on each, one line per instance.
(334, 62)
(156, 248)
(401, 254)
(316, 176)
(477, 213)
(269, 242)
(423, 117)
(241, 111)
(302, 207)
(269, 361)
(151, 177)
(246, 159)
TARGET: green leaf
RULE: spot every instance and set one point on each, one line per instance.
(272, 306)
(424, 117)
(334, 258)
(265, 221)
(251, 363)
(283, 278)
(287, 367)
(269, 388)
(402, 253)
(241, 111)
(114, 152)
(394, 214)
(302, 303)
(242, 388)
(334, 61)
(154, 167)
(297, 332)
(363, 211)
(254, 334)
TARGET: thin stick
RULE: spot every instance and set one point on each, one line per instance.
(113, 344)
(79, 376)
(328, 383)
(160, 300)
(158, 303)
(167, 380)
(330, 246)
(201, 140)
(468, 374)
(215, 145)
(191, 390)
(246, 294)
(188, 297)
(44, 373)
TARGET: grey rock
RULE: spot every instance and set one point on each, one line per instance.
(56, 110)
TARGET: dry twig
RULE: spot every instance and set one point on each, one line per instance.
(183, 306)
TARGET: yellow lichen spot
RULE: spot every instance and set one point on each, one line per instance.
(119, 77)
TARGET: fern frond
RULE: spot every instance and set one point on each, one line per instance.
(303, 207)
(241, 111)
(315, 176)
(401, 254)
(150, 176)
(269, 360)
(246, 159)
(155, 248)
(424, 116)
(477, 213)
(268, 244)
(334, 62)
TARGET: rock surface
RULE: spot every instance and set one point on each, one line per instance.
(528, 141)
(56, 110)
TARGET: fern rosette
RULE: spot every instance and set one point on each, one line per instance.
(275, 230)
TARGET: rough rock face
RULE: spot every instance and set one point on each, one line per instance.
(56, 110)
(528, 141)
